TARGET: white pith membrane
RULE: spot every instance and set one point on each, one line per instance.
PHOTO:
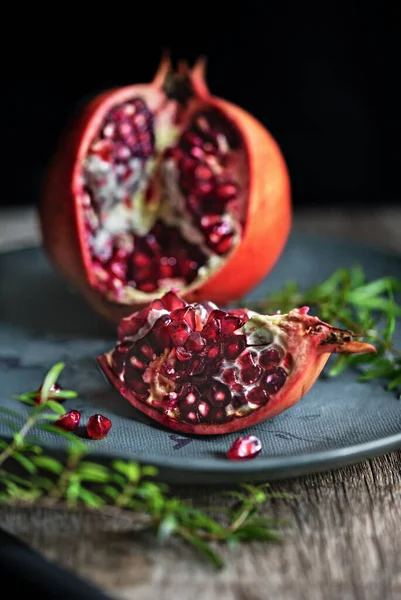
(229, 386)
(148, 229)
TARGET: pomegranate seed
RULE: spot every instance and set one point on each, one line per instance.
(147, 350)
(274, 380)
(182, 354)
(196, 367)
(245, 448)
(209, 221)
(55, 388)
(171, 301)
(269, 358)
(234, 346)
(251, 374)
(226, 191)
(118, 269)
(247, 359)
(186, 314)
(103, 149)
(137, 364)
(229, 324)
(219, 395)
(224, 245)
(229, 376)
(98, 427)
(213, 352)
(141, 260)
(195, 342)
(179, 332)
(258, 396)
(69, 421)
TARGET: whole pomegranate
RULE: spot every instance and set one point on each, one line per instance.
(162, 186)
(197, 369)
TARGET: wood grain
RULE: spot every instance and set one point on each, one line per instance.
(342, 540)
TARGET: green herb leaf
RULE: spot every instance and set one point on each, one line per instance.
(50, 380)
(56, 407)
(25, 462)
(48, 463)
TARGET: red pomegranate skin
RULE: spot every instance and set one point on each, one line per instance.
(266, 204)
(200, 370)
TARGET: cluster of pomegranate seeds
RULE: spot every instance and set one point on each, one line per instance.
(163, 255)
(193, 362)
(245, 448)
(118, 170)
(69, 421)
(210, 191)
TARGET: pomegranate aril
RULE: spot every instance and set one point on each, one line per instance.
(141, 260)
(245, 448)
(247, 359)
(179, 332)
(217, 415)
(147, 350)
(273, 380)
(118, 269)
(98, 427)
(258, 395)
(186, 314)
(226, 191)
(69, 421)
(269, 358)
(208, 221)
(147, 287)
(213, 351)
(224, 245)
(251, 374)
(172, 302)
(203, 410)
(103, 149)
(54, 390)
(196, 367)
(182, 354)
(229, 324)
(160, 335)
(137, 364)
(195, 342)
(219, 395)
(233, 346)
(229, 376)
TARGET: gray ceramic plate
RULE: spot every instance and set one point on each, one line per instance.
(339, 421)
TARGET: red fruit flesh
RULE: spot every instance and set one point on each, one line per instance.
(98, 427)
(245, 448)
(54, 390)
(197, 369)
(163, 186)
(69, 421)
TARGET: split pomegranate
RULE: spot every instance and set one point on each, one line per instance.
(162, 186)
(245, 448)
(98, 427)
(69, 421)
(197, 369)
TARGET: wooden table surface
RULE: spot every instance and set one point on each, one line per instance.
(343, 536)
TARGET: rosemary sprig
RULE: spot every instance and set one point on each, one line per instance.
(367, 308)
(122, 487)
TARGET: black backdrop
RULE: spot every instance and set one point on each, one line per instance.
(323, 80)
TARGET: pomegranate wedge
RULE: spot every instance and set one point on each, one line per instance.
(197, 369)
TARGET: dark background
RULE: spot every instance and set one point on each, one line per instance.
(323, 78)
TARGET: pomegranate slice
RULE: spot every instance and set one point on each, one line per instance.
(219, 371)
(163, 186)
